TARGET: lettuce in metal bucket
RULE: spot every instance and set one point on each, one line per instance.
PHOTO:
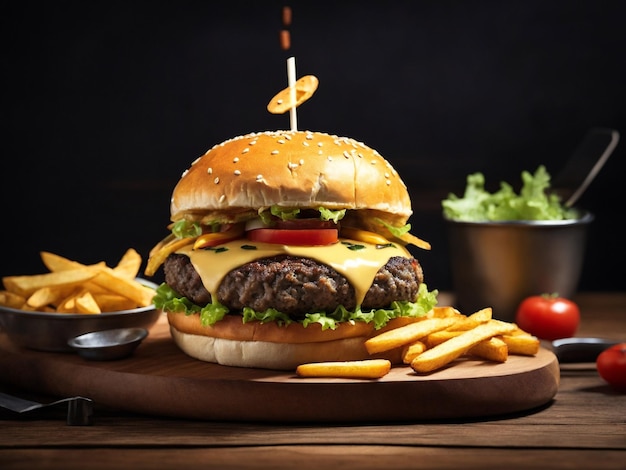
(533, 202)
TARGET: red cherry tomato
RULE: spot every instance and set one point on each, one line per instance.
(300, 237)
(611, 364)
(548, 316)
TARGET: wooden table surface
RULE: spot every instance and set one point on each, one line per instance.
(583, 427)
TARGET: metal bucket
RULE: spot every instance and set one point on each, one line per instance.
(498, 264)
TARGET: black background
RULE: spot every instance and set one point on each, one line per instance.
(104, 104)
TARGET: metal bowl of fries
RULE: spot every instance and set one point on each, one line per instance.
(44, 311)
(50, 331)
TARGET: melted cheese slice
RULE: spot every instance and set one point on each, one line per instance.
(358, 266)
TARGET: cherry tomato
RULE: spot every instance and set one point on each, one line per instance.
(548, 316)
(300, 237)
(611, 364)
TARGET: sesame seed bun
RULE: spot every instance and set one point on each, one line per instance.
(228, 188)
(303, 169)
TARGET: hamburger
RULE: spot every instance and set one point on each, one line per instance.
(288, 247)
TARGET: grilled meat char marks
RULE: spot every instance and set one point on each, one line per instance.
(294, 285)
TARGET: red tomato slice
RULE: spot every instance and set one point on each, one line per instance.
(300, 237)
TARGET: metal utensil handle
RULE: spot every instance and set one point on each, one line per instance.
(584, 164)
(570, 350)
(79, 409)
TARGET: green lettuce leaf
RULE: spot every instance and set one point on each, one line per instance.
(533, 202)
(185, 229)
(329, 214)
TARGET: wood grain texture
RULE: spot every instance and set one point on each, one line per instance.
(160, 380)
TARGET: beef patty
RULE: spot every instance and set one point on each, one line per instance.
(294, 285)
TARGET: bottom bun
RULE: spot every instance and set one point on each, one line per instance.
(265, 354)
(270, 346)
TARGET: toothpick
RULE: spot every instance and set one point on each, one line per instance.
(291, 78)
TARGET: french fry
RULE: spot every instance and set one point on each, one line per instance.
(49, 295)
(85, 303)
(128, 266)
(365, 369)
(445, 311)
(126, 287)
(446, 352)
(439, 337)
(56, 262)
(398, 337)
(68, 304)
(27, 285)
(411, 351)
(473, 320)
(523, 344)
(492, 349)
(11, 299)
(113, 302)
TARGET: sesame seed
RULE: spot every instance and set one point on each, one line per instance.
(209, 170)
(252, 142)
(259, 177)
(309, 137)
(281, 141)
(235, 160)
(274, 152)
(287, 136)
(222, 197)
(319, 152)
(301, 162)
(386, 175)
(246, 150)
(320, 144)
(216, 180)
(330, 159)
(388, 182)
(291, 165)
(346, 154)
(373, 162)
(306, 144)
(279, 101)
(237, 172)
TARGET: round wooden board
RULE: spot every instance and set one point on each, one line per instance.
(158, 379)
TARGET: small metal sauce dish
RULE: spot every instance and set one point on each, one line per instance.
(108, 345)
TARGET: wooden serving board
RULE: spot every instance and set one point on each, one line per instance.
(158, 379)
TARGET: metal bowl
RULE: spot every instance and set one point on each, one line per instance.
(498, 264)
(51, 331)
(108, 345)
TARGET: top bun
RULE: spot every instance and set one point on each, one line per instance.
(235, 179)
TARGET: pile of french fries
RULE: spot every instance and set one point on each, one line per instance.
(73, 287)
(432, 343)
